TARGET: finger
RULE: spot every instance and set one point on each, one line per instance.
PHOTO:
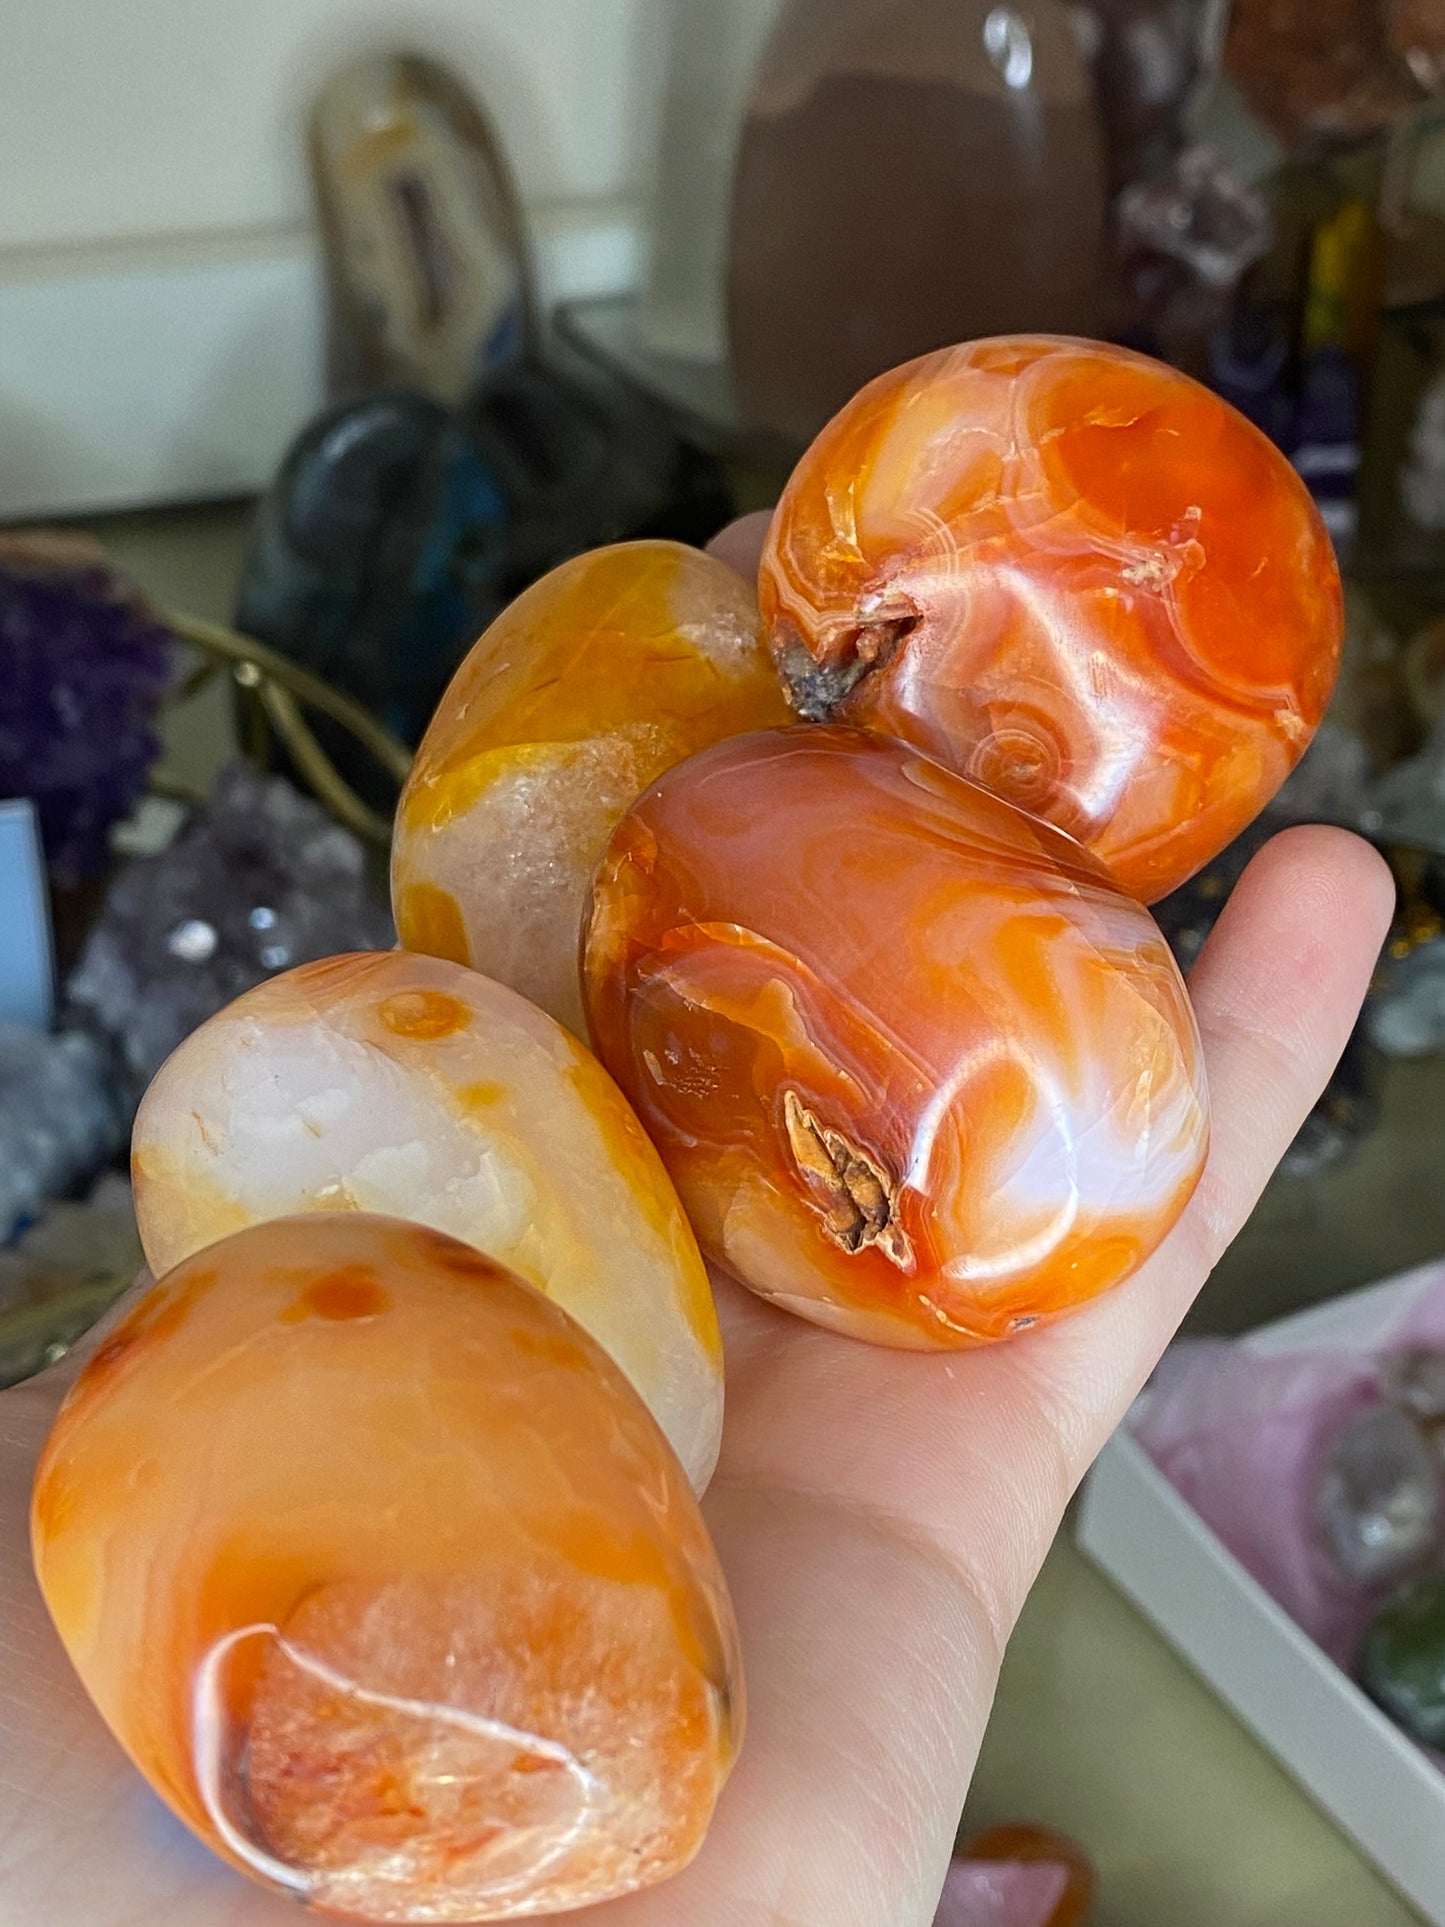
(1276, 993)
(936, 1484)
(1276, 990)
(740, 544)
(980, 1450)
(881, 1515)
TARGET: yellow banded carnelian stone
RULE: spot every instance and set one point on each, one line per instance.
(386, 1580)
(1073, 575)
(609, 670)
(411, 1087)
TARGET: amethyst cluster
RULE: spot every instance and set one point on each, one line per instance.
(83, 666)
(259, 878)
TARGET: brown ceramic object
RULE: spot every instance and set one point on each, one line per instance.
(909, 175)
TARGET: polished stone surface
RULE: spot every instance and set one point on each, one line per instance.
(919, 1070)
(388, 1582)
(1073, 575)
(1099, 1728)
(593, 682)
(413, 1087)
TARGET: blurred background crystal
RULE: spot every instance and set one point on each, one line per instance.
(60, 1120)
(1407, 1017)
(465, 452)
(1407, 805)
(428, 274)
(1319, 71)
(257, 879)
(1414, 1379)
(1380, 1498)
(1186, 236)
(871, 134)
(83, 666)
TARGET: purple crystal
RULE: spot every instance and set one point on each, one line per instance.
(83, 666)
(259, 879)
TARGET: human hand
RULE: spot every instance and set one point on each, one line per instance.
(881, 1516)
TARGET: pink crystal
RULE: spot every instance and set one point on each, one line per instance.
(1246, 1436)
(1001, 1893)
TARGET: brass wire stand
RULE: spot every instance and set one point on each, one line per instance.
(280, 692)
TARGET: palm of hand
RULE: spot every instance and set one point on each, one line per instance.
(880, 1516)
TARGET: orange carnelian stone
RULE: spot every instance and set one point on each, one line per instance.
(384, 1577)
(918, 1069)
(1076, 577)
(605, 673)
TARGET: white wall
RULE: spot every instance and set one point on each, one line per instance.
(158, 293)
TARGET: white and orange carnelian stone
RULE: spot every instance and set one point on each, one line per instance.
(388, 1582)
(412, 1087)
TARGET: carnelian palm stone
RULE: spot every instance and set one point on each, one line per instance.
(919, 1070)
(1073, 575)
(415, 1088)
(602, 675)
(387, 1581)
(374, 1560)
